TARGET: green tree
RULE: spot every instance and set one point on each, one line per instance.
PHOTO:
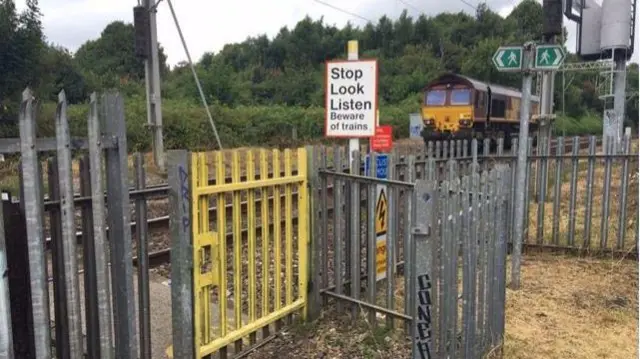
(21, 47)
(62, 73)
(111, 58)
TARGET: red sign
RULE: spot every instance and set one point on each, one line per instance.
(382, 141)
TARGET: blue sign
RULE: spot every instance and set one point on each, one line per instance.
(414, 131)
(382, 166)
(415, 126)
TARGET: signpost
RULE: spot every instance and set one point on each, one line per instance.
(549, 57)
(508, 58)
(382, 141)
(544, 58)
(381, 213)
(351, 98)
(415, 126)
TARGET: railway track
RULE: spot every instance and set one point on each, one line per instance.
(161, 223)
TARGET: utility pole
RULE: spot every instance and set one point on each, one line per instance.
(152, 82)
(552, 27)
(619, 97)
(607, 32)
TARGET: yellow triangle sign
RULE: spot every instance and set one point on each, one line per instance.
(381, 214)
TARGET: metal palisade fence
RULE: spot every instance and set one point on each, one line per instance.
(446, 231)
(580, 196)
(417, 238)
(104, 291)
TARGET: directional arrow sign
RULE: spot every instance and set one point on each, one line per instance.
(508, 58)
(549, 57)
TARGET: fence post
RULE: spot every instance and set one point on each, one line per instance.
(339, 233)
(315, 240)
(409, 207)
(355, 243)
(181, 254)
(421, 281)
(92, 316)
(6, 339)
(144, 319)
(32, 202)
(119, 229)
(100, 245)
(68, 232)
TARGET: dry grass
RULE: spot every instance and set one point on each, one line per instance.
(573, 308)
(335, 336)
(580, 216)
(567, 307)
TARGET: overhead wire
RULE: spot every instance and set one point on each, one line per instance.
(195, 75)
(411, 6)
(344, 11)
(469, 4)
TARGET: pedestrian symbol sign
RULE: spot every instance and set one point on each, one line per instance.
(381, 214)
(508, 58)
(549, 57)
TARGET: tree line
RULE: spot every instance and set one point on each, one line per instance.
(261, 76)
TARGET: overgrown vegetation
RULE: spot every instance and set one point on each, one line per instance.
(270, 91)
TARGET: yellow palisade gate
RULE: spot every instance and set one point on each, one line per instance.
(219, 256)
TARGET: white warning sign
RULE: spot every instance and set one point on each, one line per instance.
(351, 98)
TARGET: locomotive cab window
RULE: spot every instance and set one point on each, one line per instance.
(435, 97)
(460, 97)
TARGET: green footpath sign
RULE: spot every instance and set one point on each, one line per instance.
(549, 57)
(508, 58)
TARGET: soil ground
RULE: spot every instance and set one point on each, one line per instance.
(567, 307)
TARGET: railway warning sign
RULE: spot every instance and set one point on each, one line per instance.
(381, 214)
(351, 98)
(382, 141)
(382, 225)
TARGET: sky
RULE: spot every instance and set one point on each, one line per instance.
(208, 25)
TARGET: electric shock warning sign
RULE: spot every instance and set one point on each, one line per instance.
(351, 98)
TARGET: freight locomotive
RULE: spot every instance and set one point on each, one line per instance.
(459, 107)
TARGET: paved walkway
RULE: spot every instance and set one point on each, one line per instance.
(160, 314)
(160, 303)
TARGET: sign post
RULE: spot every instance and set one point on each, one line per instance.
(381, 213)
(544, 58)
(526, 66)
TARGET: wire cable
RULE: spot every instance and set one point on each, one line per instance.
(195, 75)
(469, 4)
(344, 11)
(412, 6)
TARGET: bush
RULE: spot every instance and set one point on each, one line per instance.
(186, 125)
(591, 124)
